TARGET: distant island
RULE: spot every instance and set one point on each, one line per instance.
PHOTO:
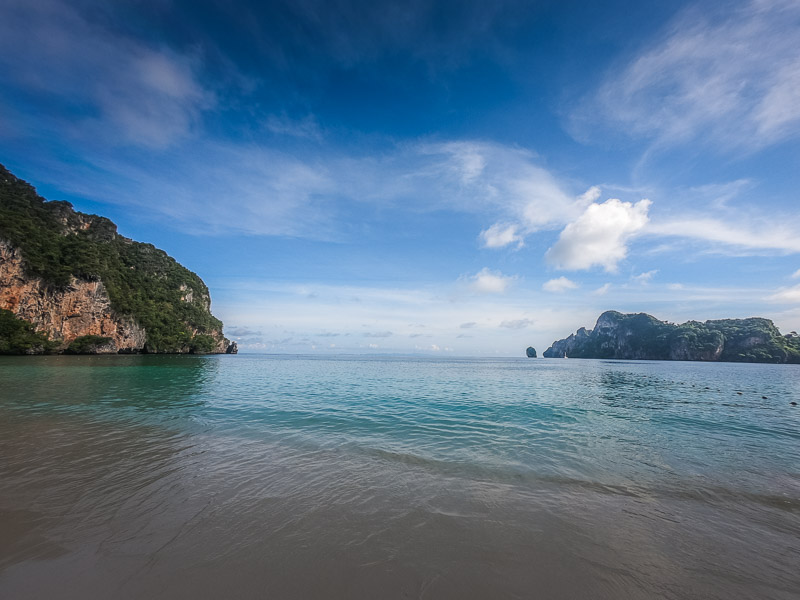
(643, 337)
(70, 283)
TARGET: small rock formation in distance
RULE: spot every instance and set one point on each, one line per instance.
(642, 336)
(530, 352)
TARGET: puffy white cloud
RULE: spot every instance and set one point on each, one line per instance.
(788, 295)
(599, 236)
(561, 284)
(486, 281)
(536, 200)
(500, 235)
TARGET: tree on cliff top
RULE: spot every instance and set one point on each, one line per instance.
(58, 243)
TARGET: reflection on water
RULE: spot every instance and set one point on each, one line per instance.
(288, 477)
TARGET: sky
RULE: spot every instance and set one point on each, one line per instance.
(453, 178)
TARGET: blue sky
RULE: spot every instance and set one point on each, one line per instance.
(453, 178)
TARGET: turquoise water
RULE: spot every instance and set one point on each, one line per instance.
(288, 477)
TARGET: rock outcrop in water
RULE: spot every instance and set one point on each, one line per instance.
(641, 336)
(88, 289)
(530, 352)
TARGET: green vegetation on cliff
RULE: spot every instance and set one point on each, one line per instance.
(19, 337)
(57, 243)
(642, 336)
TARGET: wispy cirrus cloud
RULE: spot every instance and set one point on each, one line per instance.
(728, 79)
(306, 127)
(745, 233)
(98, 84)
(125, 116)
(786, 295)
(644, 278)
(602, 290)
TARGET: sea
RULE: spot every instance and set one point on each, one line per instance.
(378, 477)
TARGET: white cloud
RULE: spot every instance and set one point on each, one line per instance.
(468, 160)
(486, 281)
(788, 295)
(500, 235)
(796, 274)
(136, 93)
(481, 176)
(306, 128)
(517, 323)
(590, 195)
(599, 236)
(728, 78)
(602, 290)
(644, 278)
(561, 284)
(755, 234)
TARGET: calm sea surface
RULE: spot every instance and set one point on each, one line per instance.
(299, 477)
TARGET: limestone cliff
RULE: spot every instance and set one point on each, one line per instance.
(64, 314)
(74, 277)
(641, 336)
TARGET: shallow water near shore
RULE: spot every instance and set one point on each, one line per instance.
(372, 477)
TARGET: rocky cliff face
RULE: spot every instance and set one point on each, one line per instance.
(643, 337)
(73, 277)
(80, 309)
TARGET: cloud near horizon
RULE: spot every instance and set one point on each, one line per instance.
(789, 295)
(561, 284)
(487, 281)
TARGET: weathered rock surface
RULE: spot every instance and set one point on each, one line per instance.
(83, 308)
(643, 337)
(530, 352)
(71, 276)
